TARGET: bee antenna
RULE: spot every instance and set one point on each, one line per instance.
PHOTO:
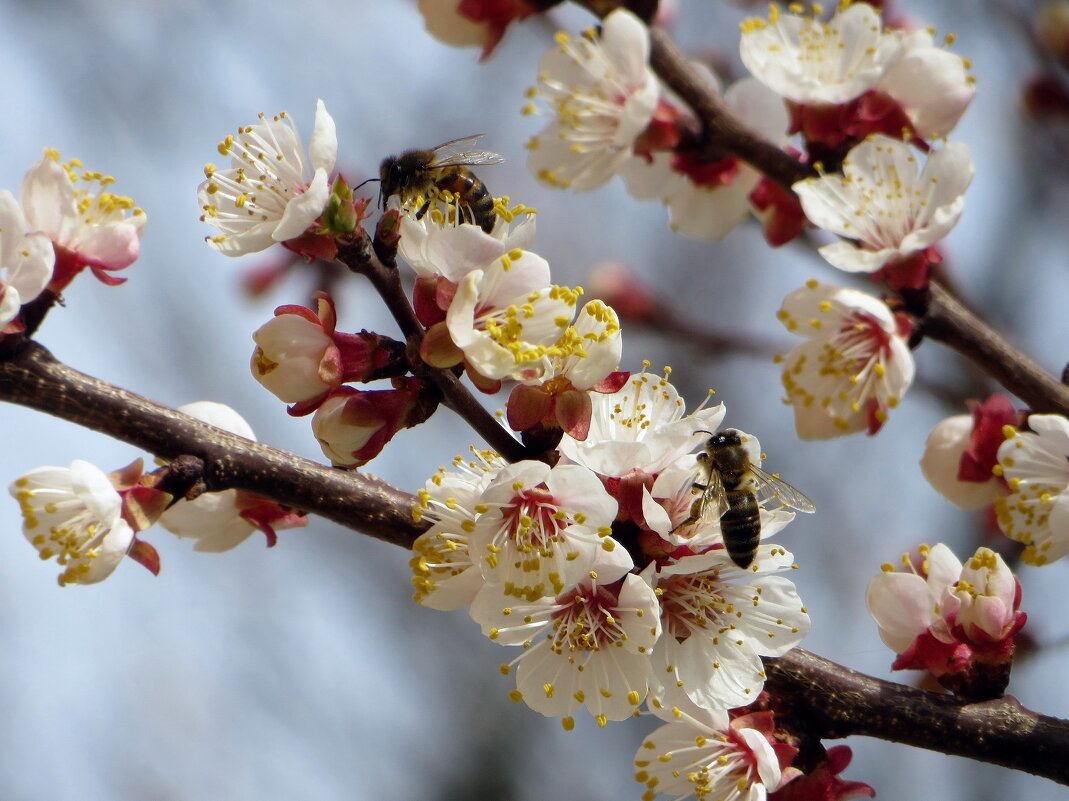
(369, 180)
(703, 431)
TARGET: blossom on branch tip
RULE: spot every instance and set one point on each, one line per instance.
(219, 521)
(894, 210)
(711, 758)
(273, 192)
(86, 518)
(961, 453)
(1035, 465)
(26, 261)
(602, 94)
(101, 230)
(852, 368)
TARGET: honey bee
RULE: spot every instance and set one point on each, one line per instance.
(442, 173)
(733, 489)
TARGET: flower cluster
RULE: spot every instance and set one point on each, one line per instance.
(89, 520)
(834, 82)
(956, 621)
(599, 569)
(66, 221)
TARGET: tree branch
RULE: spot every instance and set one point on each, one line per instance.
(32, 377)
(837, 702)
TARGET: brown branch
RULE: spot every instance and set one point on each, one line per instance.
(838, 702)
(835, 701)
(32, 377)
(949, 322)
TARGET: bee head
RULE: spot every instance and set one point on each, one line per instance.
(727, 438)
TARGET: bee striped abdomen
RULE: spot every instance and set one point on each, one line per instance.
(741, 526)
(473, 197)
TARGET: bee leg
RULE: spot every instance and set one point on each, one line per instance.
(423, 210)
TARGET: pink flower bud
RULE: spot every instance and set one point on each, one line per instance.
(352, 425)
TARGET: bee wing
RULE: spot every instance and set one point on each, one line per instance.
(461, 153)
(769, 486)
(714, 498)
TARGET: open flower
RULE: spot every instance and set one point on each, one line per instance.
(853, 367)
(641, 426)
(595, 652)
(1035, 465)
(603, 94)
(219, 521)
(809, 61)
(444, 573)
(884, 202)
(719, 620)
(74, 514)
(26, 260)
(541, 528)
(929, 83)
(710, 757)
(272, 192)
(95, 229)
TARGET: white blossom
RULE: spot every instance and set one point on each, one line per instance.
(852, 368)
(273, 191)
(818, 63)
(887, 202)
(602, 93)
(74, 514)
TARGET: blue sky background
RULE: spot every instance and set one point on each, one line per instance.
(306, 671)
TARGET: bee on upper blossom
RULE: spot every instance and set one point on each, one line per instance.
(441, 173)
(733, 489)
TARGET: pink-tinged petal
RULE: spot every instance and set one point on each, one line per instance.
(303, 210)
(323, 146)
(901, 607)
(114, 245)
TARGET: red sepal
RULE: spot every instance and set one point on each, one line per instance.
(145, 555)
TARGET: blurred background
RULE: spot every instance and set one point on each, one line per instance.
(306, 671)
